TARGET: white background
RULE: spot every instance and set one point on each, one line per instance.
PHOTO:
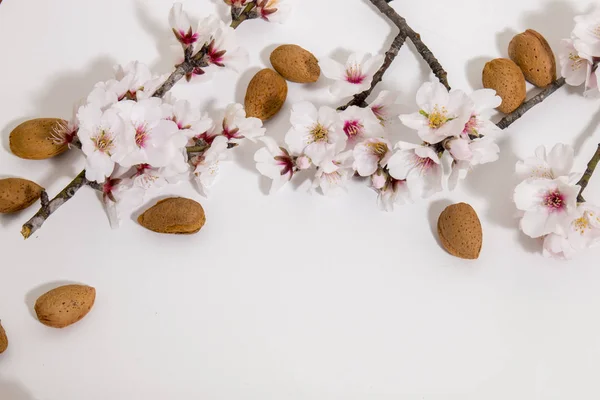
(292, 296)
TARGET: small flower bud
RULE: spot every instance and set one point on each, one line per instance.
(379, 179)
(303, 162)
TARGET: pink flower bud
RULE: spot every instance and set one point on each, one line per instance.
(303, 162)
(378, 180)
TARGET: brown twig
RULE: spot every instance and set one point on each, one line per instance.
(529, 104)
(414, 37)
(359, 99)
(585, 179)
(49, 207)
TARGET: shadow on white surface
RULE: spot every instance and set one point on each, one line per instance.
(10, 390)
(554, 21)
(242, 84)
(474, 70)
(587, 133)
(34, 294)
(167, 48)
(502, 41)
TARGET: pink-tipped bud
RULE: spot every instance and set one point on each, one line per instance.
(303, 162)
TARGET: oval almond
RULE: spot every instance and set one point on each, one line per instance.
(17, 194)
(532, 53)
(266, 94)
(175, 215)
(65, 305)
(3, 340)
(506, 78)
(460, 231)
(295, 64)
(32, 139)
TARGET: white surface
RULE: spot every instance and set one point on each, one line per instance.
(292, 296)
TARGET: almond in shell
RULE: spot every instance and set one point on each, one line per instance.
(460, 231)
(65, 305)
(3, 340)
(33, 139)
(532, 53)
(295, 64)
(266, 94)
(17, 194)
(506, 78)
(175, 215)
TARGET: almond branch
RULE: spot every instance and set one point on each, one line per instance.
(407, 31)
(585, 179)
(181, 70)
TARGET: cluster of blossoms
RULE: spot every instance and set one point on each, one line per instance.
(269, 10)
(339, 145)
(580, 55)
(134, 140)
(547, 200)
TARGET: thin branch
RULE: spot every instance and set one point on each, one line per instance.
(181, 70)
(529, 104)
(360, 98)
(49, 207)
(414, 37)
(244, 15)
(585, 179)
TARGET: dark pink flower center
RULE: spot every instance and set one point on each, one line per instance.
(141, 136)
(215, 56)
(354, 75)
(353, 128)
(187, 38)
(378, 111)
(285, 162)
(554, 201)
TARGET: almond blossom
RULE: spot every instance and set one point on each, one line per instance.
(359, 124)
(385, 107)
(587, 34)
(190, 120)
(315, 133)
(441, 113)
(555, 164)
(275, 163)
(207, 164)
(391, 191)
(101, 134)
(222, 48)
(353, 77)
(575, 68)
(419, 166)
(182, 28)
(273, 10)
(235, 126)
(581, 232)
(333, 175)
(370, 155)
(547, 205)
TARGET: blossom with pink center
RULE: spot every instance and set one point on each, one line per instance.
(352, 77)
(222, 47)
(558, 162)
(575, 68)
(441, 114)
(150, 139)
(273, 10)
(101, 135)
(315, 133)
(547, 204)
(582, 231)
(359, 124)
(391, 191)
(385, 107)
(234, 125)
(182, 27)
(333, 175)
(207, 164)
(419, 166)
(370, 155)
(190, 120)
(275, 163)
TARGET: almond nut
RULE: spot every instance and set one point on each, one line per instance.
(65, 305)
(32, 139)
(506, 78)
(17, 194)
(175, 215)
(266, 94)
(532, 53)
(295, 64)
(3, 340)
(460, 231)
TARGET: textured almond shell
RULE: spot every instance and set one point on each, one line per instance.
(17, 194)
(65, 305)
(175, 215)
(3, 340)
(32, 139)
(460, 231)
(295, 64)
(504, 76)
(532, 53)
(266, 94)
